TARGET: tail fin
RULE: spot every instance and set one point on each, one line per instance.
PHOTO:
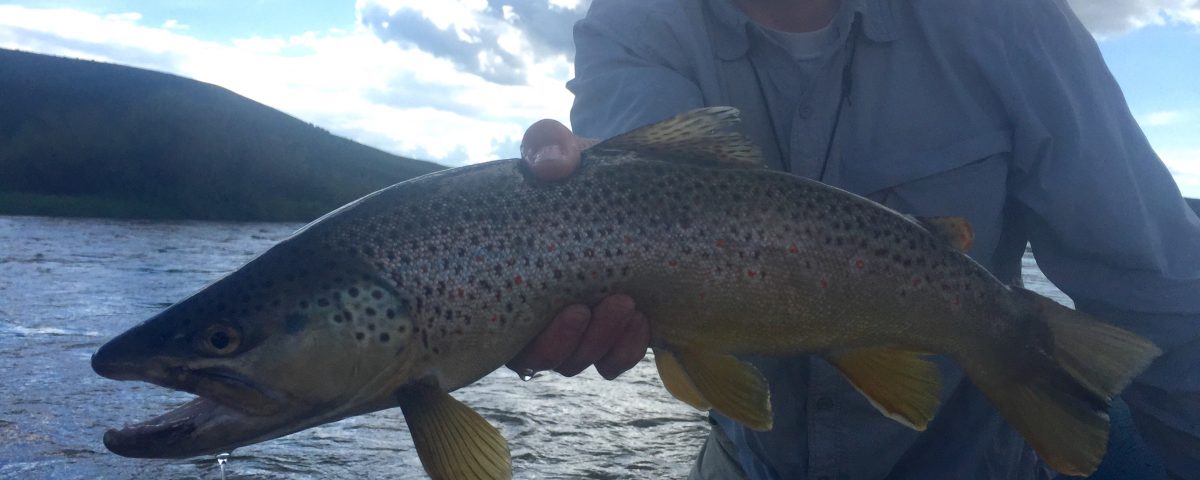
(1060, 404)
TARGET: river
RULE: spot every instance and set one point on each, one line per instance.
(67, 285)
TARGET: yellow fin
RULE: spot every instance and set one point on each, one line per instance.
(1059, 400)
(452, 440)
(733, 388)
(677, 382)
(956, 231)
(692, 137)
(902, 384)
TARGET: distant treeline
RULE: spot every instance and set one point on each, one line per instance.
(81, 138)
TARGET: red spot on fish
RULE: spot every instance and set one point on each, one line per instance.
(588, 253)
(721, 243)
(672, 263)
(493, 319)
(824, 283)
(518, 280)
(702, 295)
(916, 281)
(460, 293)
(478, 258)
(550, 247)
(859, 264)
(628, 239)
(955, 302)
(751, 273)
(424, 269)
(793, 249)
(595, 274)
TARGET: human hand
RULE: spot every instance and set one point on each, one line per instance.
(613, 335)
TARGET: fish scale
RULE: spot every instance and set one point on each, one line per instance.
(428, 285)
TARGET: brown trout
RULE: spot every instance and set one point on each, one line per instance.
(425, 287)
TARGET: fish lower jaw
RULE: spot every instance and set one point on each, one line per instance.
(160, 436)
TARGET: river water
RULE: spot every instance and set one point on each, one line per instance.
(67, 285)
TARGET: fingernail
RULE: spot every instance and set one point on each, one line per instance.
(548, 152)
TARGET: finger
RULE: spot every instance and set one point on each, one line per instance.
(556, 343)
(629, 350)
(609, 319)
(551, 151)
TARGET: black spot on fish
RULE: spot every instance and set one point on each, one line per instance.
(353, 292)
(383, 337)
(359, 335)
(323, 302)
(370, 312)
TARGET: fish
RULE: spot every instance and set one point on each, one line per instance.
(424, 287)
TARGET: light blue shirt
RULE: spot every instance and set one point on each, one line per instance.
(999, 111)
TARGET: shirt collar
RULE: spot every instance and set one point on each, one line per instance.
(731, 28)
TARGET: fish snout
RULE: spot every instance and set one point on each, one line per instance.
(108, 362)
(126, 357)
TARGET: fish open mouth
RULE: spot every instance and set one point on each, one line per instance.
(172, 428)
(229, 412)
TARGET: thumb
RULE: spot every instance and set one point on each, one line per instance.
(551, 151)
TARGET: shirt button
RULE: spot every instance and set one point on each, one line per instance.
(824, 403)
(804, 111)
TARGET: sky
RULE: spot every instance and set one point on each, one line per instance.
(457, 81)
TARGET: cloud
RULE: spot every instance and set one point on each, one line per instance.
(497, 40)
(454, 81)
(173, 24)
(1114, 17)
(349, 81)
(1184, 164)
(1162, 119)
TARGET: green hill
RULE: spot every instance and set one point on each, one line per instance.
(81, 138)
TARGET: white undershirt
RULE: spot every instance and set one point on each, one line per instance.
(806, 46)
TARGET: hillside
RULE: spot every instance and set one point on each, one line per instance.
(81, 138)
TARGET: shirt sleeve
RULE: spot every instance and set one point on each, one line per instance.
(1107, 222)
(629, 69)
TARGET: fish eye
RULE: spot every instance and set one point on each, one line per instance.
(219, 340)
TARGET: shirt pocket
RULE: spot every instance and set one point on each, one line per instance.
(965, 178)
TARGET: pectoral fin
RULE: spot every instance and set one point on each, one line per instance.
(902, 384)
(722, 382)
(452, 440)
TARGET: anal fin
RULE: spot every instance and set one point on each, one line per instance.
(902, 384)
(721, 382)
(452, 440)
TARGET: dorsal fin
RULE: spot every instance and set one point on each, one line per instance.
(956, 231)
(692, 137)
